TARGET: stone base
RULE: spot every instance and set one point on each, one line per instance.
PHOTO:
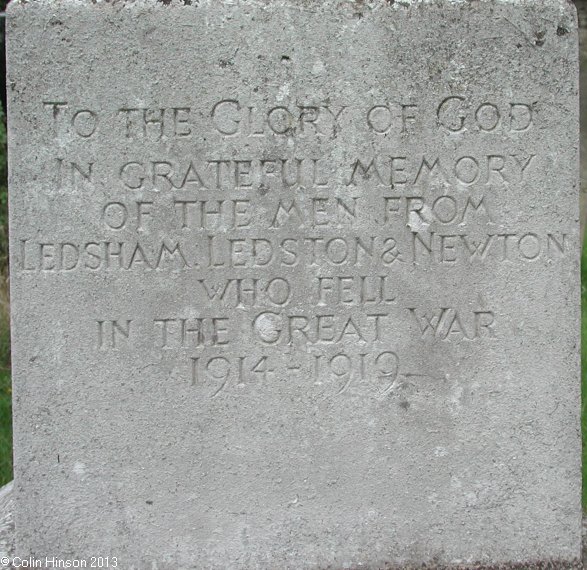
(550, 565)
(7, 548)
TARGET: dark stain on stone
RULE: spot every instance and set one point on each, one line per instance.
(539, 38)
(184, 2)
(561, 31)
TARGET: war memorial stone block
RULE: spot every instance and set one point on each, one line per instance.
(295, 284)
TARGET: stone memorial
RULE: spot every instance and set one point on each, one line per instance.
(295, 285)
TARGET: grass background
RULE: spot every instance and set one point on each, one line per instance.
(584, 368)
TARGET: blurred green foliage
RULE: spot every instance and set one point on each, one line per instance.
(584, 368)
(5, 428)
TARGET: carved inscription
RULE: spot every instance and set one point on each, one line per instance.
(301, 251)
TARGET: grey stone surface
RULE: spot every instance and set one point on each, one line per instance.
(295, 284)
(7, 549)
(583, 98)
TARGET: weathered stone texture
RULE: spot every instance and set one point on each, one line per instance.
(295, 284)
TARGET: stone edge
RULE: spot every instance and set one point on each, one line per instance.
(539, 565)
(395, 4)
(7, 549)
